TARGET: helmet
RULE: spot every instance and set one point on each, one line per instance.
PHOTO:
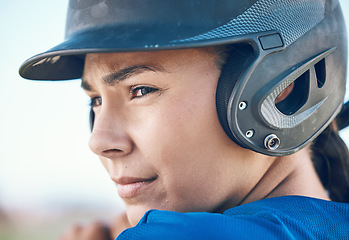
(275, 44)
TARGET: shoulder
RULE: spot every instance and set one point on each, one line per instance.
(290, 207)
(275, 218)
(302, 217)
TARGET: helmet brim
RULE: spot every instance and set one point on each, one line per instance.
(66, 60)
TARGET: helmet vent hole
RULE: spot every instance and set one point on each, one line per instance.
(320, 69)
(296, 97)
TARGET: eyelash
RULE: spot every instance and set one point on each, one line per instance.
(93, 102)
(134, 93)
(143, 90)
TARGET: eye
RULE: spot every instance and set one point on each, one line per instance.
(95, 102)
(141, 91)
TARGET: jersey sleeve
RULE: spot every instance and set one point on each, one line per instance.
(178, 226)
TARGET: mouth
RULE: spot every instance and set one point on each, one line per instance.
(129, 187)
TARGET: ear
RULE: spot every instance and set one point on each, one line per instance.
(284, 94)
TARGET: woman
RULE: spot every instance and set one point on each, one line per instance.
(214, 114)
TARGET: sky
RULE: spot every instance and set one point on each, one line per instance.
(44, 156)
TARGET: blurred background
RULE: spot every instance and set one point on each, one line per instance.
(49, 179)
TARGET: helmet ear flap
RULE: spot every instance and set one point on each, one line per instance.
(239, 58)
(91, 119)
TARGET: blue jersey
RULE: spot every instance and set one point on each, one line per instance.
(289, 217)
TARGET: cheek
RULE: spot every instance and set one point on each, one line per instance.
(184, 142)
(186, 121)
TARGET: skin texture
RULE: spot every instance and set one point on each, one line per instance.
(156, 120)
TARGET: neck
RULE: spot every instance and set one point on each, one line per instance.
(289, 175)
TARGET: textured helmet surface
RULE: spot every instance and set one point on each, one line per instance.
(278, 43)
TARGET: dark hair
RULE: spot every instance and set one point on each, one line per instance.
(329, 153)
(330, 157)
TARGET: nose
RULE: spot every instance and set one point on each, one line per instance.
(109, 138)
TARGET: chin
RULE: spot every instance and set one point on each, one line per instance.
(135, 213)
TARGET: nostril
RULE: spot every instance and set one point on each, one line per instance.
(112, 151)
(111, 142)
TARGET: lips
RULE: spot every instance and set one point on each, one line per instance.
(129, 187)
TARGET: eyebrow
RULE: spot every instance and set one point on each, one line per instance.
(123, 74)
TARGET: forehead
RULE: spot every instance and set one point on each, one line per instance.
(169, 59)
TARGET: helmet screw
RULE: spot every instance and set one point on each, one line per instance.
(271, 142)
(249, 133)
(242, 105)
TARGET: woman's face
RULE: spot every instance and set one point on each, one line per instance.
(157, 132)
